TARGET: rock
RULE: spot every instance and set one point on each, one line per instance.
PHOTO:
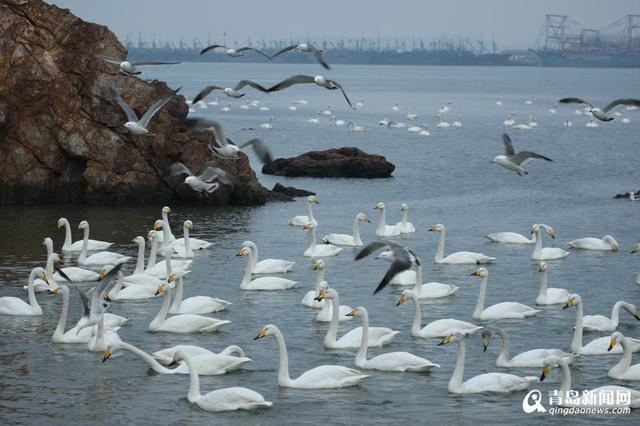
(291, 191)
(337, 162)
(627, 195)
(62, 138)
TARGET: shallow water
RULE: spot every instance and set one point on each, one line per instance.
(444, 178)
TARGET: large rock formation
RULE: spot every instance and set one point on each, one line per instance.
(338, 162)
(62, 138)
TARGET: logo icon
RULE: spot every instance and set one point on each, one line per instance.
(533, 402)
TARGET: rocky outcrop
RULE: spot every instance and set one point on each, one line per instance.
(291, 191)
(62, 138)
(338, 162)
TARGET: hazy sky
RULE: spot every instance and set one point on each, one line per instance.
(516, 23)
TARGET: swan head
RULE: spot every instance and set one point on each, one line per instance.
(379, 206)
(318, 265)
(83, 225)
(542, 267)
(265, 331)
(40, 273)
(152, 235)
(48, 242)
(363, 218)
(574, 299)
(404, 207)
(616, 338)
(535, 229)
(157, 224)
(166, 210)
(437, 228)
(308, 226)
(244, 251)
(406, 294)
(454, 337)
(486, 338)
(360, 310)
(547, 364)
(635, 249)
(62, 222)
(312, 199)
(611, 241)
(481, 272)
(138, 240)
(188, 224)
(321, 295)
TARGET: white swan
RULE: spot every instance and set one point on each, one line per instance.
(488, 382)
(321, 377)
(14, 306)
(431, 290)
(163, 268)
(549, 296)
(546, 253)
(303, 220)
(326, 313)
(167, 356)
(74, 247)
(100, 258)
(405, 226)
(132, 292)
(509, 121)
(103, 338)
(510, 238)
(349, 240)
(602, 323)
(459, 257)
(378, 336)
(607, 243)
(437, 328)
(183, 323)
(502, 310)
(309, 298)
(406, 277)
(138, 276)
(623, 370)
(261, 283)
(184, 250)
(40, 285)
(383, 229)
(593, 399)
(226, 399)
(391, 361)
(195, 304)
(205, 364)
(531, 358)
(598, 346)
(318, 250)
(196, 243)
(73, 273)
(165, 218)
(266, 266)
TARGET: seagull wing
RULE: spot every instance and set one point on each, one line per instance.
(286, 49)
(319, 57)
(211, 173)
(198, 123)
(131, 115)
(178, 169)
(85, 302)
(523, 156)
(339, 86)
(204, 92)
(62, 274)
(370, 248)
(96, 306)
(261, 149)
(218, 133)
(110, 60)
(574, 101)
(244, 83)
(296, 79)
(153, 109)
(398, 265)
(245, 49)
(135, 64)
(618, 102)
(213, 46)
(508, 147)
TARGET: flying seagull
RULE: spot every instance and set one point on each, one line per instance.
(401, 259)
(93, 309)
(203, 183)
(306, 79)
(129, 68)
(513, 161)
(135, 126)
(601, 114)
(306, 48)
(234, 53)
(232, 92)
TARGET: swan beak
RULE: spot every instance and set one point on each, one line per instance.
(242, 252)
(149, 235)
(190, 226)
(315, 200)
(635, 250)
(262, 333)
(160, 290)
(171, 278)
(612, 344)
(352, 313)
(321, 295)
(55, 291)
(401, 300)
(545, 371)
(568, 304)
(476, 273)
(317, 266)
(432, 229)
(58, 226)
(445, 341)
(106, 355)
(106, 297)
(102, 275)
(485, 344)
(366, 219)
(552, 234)
(174, 361)
(155, 227)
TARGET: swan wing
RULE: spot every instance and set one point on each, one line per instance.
(498, 382)
(328, 376)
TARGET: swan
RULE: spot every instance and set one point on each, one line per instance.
(602, 323)
(163, 268)
(74, 247)
(167, 356)
(348, 240)
(205, 364)
(593, 398)
(14, 306)
(531, 358)
(522, 126)
(568, 123)
(318, 250)
(102, 339)
(266, 266)
(184, 251)
(132, 292)
(502, 310)
(195, 304)
(138, 276)
(488, 382)
(383, 229)
(261, 283)
(303, 220)
(226, 399)
(432, 290)
(509, 121)
(605, 243)
(321, 377)
(546, 253)
(623, 370)
(100, 258)
(391, 361)
(309, 298)
(459, 257)
(549, 296)
(379, 336)
(40, 285)
(355, 128)
(165, 218)
(72, 273)
(438, 328)
(405, 226)
(195, 243)
(326, 313)
(458, 122)
(510, 238)
(183, 323)
(597, 346)
(268, 124)
(442, 124)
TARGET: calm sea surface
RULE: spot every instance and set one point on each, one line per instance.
(445, 178)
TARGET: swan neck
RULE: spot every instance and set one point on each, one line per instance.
(417, 289)
(32, 292)
(319, 280)
(332, 333)
(625, 362)
(85, 244)
(177, 300)
(62, 322)
(153, 254)
(440, 251)
(67, 236)
(383, 220)
(405, 217)
(356, 231)
(283, 369)
(48, 269)
(312, 239)
(504, 353)
(417, 316)
(164, 309)
(542, 293)
(116, 287)
(456, 378)
(187, 243)
(481, 297)
(565, 377)
(155, 365)
(576, 343)
(538, 248)
(361, 357)
(166, 228)
(615, 313)
(310, 212)
(194, 385)
(140, 260)
(248, 269)
(255, 255)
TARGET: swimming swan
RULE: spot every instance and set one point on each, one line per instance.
(549, 296)
(405, 226)
(602, 323)
(502, 310)
(318, 250)
(457, 258)
(607, 243)
(266, 266)
(74, 247)
(303, 220)
(14, 306)
(546, 253)
(348, 240)
(623, 370)
(383, 229)
(261, 283)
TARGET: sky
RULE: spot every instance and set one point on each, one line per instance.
(515, 23)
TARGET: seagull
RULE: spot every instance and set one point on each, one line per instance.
(129, 68)
(204, 182)
(93, 310)
(232, 92)
(135, 126)
(306, 48)
(306, 79)
(234, 53)
(513, 161)
(401, 259)
(601, 114)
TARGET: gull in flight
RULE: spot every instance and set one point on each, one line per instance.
(306, 79)
(401, 259)
(232, 92)
(601, 114)
(94, 308)
(306, 48)
(135, 126)
(234, 53)
(512, 161)
(203, 183)
(129, 68)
